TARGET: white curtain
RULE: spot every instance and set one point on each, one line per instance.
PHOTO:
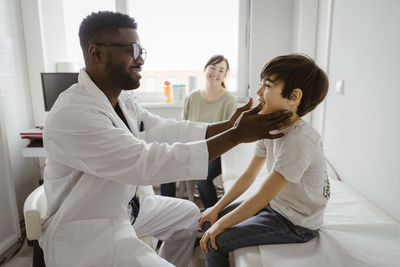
(9, 222)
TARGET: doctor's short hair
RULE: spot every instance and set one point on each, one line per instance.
(94, 27)
(299, 71)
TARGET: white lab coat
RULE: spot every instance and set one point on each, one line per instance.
(94, 165)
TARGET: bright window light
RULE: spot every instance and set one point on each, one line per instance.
(181, 35)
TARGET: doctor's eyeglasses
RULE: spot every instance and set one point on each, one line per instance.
(138, 50)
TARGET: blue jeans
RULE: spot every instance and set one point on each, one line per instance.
(265, 227)
(207, 191)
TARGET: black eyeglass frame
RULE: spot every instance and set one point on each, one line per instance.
(135, 46)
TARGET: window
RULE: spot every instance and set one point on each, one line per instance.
(181, 35)
(74, 12)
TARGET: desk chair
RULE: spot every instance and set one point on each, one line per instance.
(35, 210)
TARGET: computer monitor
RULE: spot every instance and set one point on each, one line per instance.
(54, 83)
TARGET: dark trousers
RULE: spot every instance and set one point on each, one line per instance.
(265, 227)
(207, 190)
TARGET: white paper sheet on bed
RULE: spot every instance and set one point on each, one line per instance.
(355, 233)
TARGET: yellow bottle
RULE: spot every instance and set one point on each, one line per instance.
(167, 92)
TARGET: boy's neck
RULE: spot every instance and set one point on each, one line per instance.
(293, 119)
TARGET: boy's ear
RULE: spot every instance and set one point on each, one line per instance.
(295, 96)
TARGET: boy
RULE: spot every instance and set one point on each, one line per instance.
(289, 206)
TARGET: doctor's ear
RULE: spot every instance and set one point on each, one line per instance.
(295, 96)
(95, 54)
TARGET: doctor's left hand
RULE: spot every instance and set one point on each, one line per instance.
(211, 234)
(239, 111)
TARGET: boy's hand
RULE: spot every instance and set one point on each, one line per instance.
(209, 215)
(259, 125)
(211, 234)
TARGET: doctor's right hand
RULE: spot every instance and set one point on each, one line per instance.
(251, 126)
(209, 215)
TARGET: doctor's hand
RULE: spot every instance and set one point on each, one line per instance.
(239, 112)
(209, 215)
(211, 234)
(251, 126)
(222, 126)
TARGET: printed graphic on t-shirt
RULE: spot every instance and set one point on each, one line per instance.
(327, 188)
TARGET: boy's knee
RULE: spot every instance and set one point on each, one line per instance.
(218, 255)
(206, 225)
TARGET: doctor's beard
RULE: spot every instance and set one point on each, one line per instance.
(121, 77)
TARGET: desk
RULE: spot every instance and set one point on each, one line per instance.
(38, 153)
(34, 149)
(34, 152)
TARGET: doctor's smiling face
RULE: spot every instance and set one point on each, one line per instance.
(123, 58)
(112, 52)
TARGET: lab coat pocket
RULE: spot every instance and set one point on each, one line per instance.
(143, 135)
(84, 243)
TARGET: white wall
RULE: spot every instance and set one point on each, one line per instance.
(9, 219)
(43, 26)
(278, 28)
(322, 51)
(362, 128)
(17, 103)
(271, 34)
(33, 34)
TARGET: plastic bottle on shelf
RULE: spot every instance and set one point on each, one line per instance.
(183, 92)
(167, 92)
(176, 94)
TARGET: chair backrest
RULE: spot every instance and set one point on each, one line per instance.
(35, 211)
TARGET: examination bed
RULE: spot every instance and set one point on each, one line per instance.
(355, 231)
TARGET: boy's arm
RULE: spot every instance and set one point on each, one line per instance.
(240, 185)
(269, 189)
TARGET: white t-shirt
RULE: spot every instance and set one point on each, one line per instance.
(298, 156)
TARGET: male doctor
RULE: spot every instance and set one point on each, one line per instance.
(102, 145)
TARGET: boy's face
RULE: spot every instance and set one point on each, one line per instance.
(270, 96)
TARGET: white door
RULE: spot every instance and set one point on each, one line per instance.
(9, 222)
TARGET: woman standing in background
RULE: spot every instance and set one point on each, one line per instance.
(211, 104)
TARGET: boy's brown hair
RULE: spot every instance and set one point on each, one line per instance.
(299, 71)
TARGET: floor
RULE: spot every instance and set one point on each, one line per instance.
(24, 257)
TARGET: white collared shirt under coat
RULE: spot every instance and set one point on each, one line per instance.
(94, 165)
